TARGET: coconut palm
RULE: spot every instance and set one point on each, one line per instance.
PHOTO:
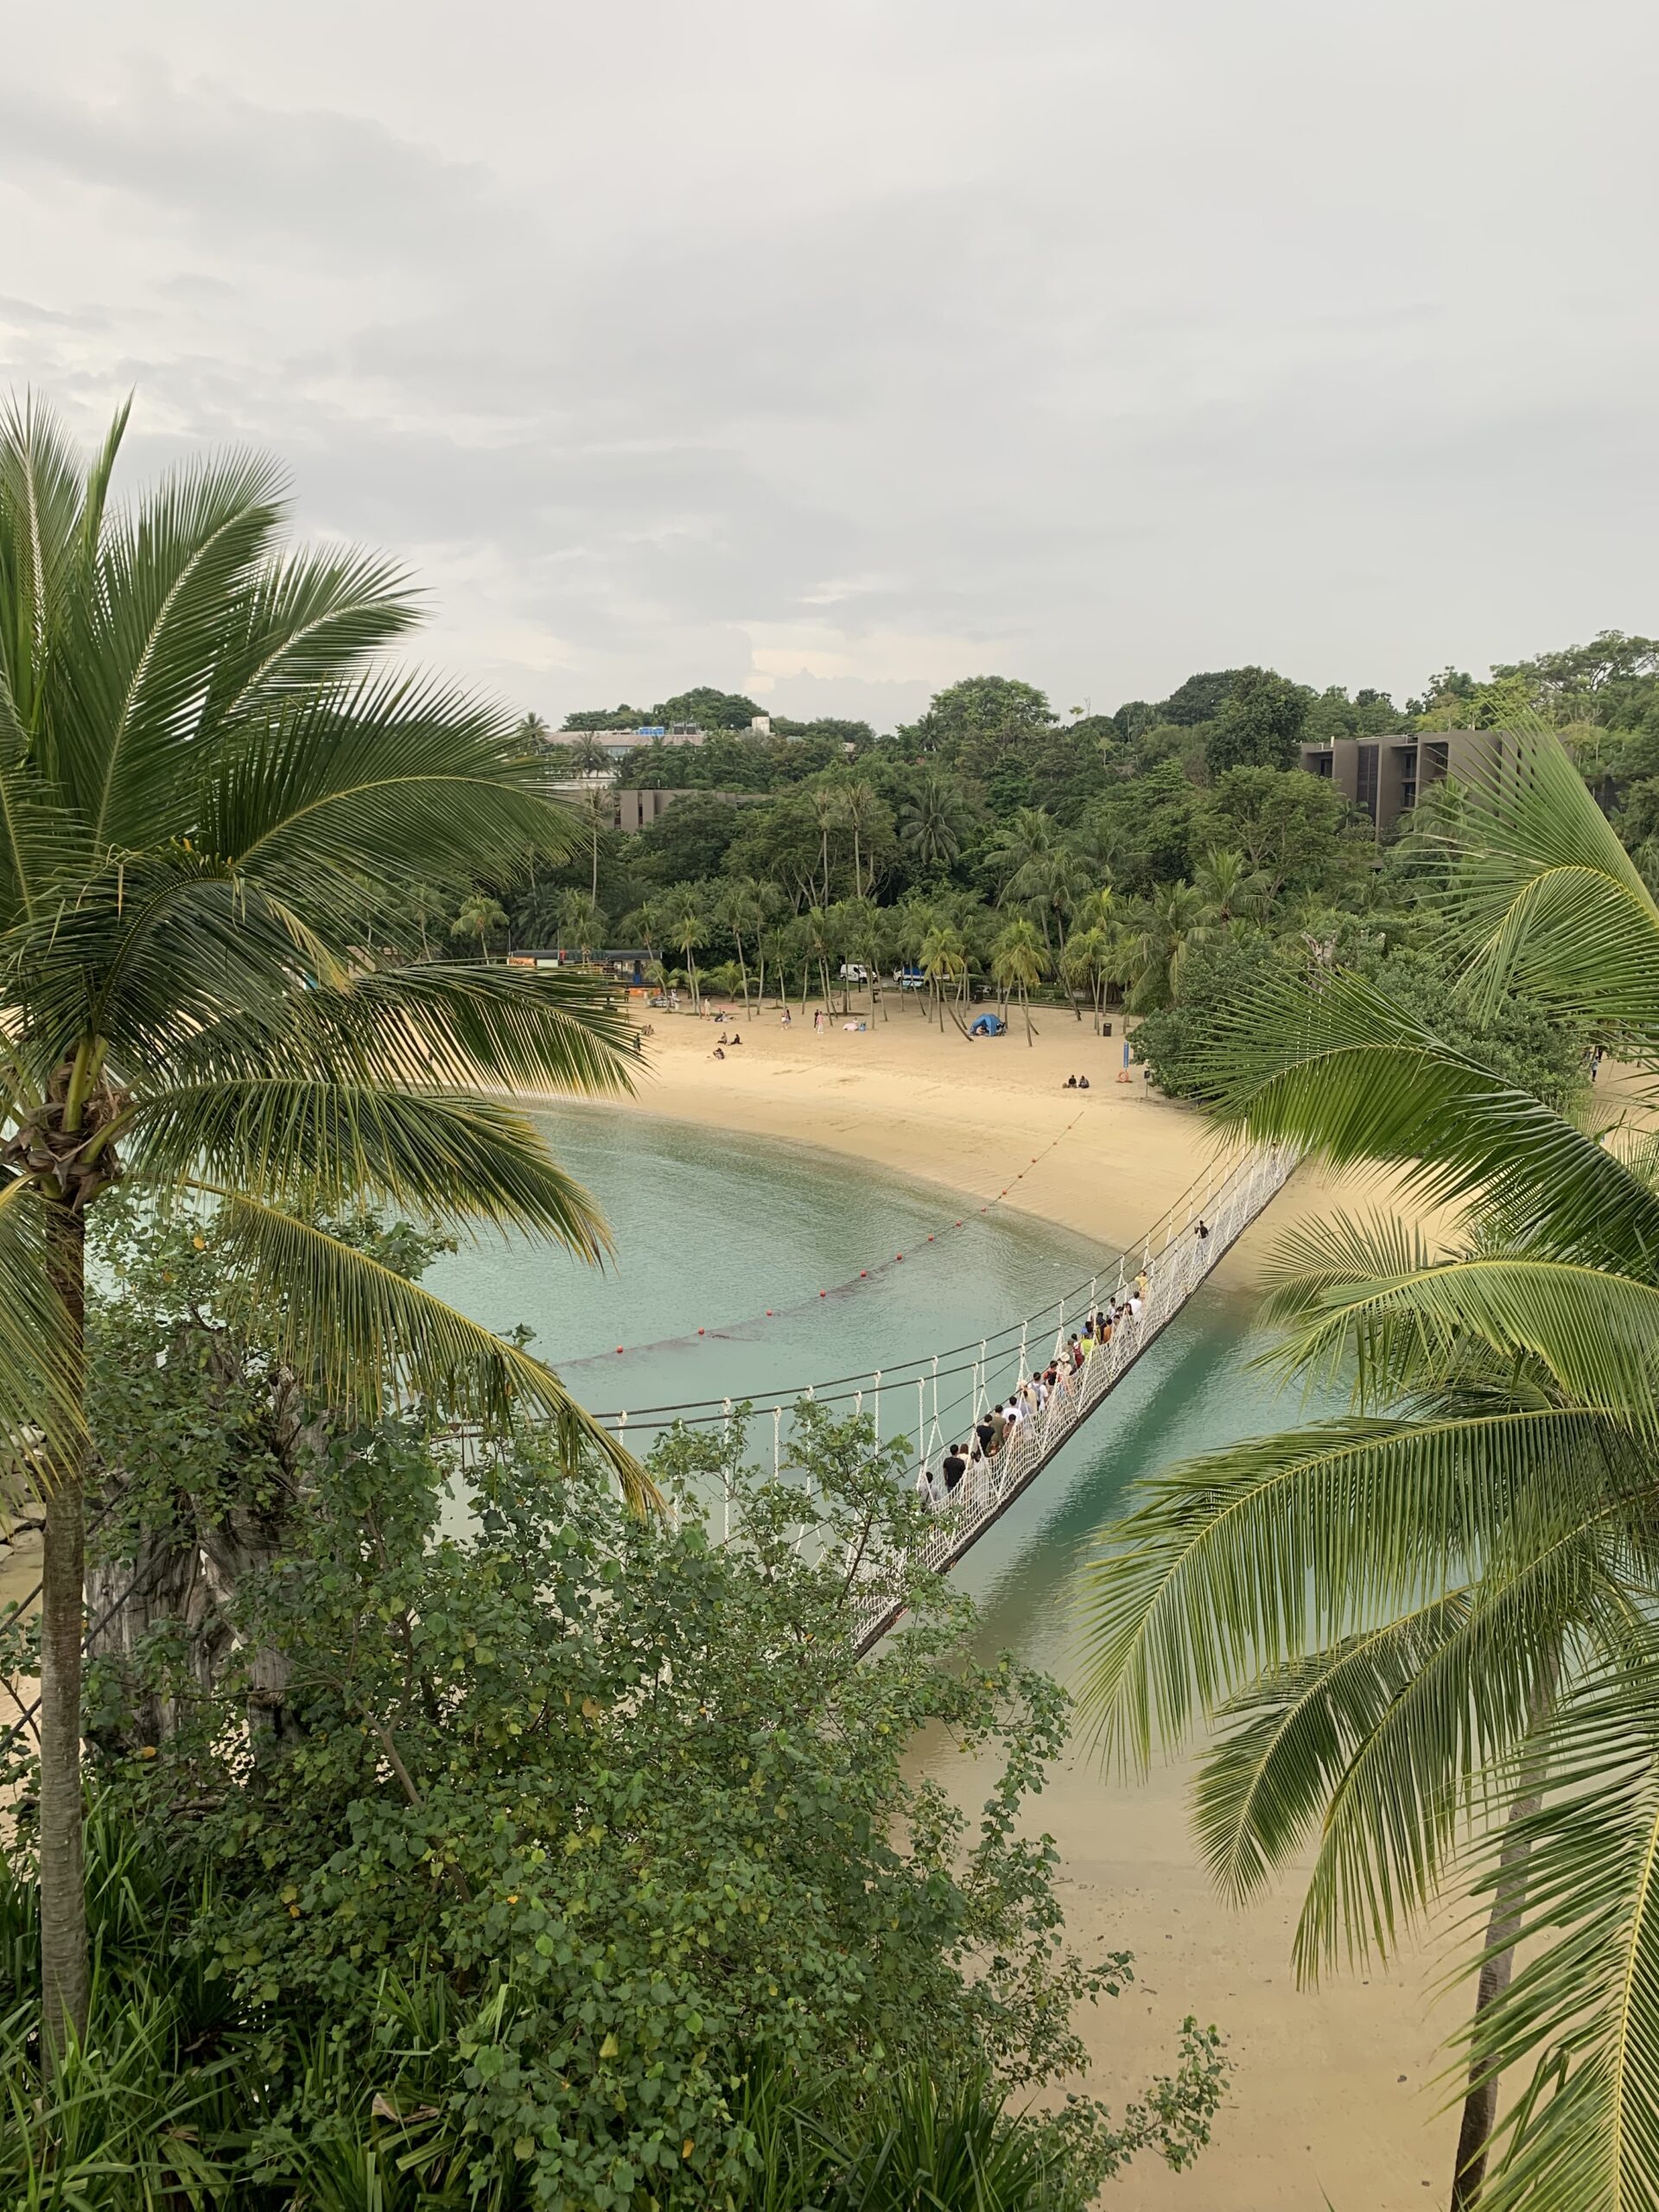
(1232, 891)
(203, 759)
(1019, 962)
(478, 916)
(1443, 1605)
(740, 910)
(861, 813)
(1158, 934)
(944, 960)
(580, 921)
(1030, 835)
(934, 820)
(1085, 964)
(685, 926)
(532, 730)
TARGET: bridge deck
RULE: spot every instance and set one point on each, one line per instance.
(1174, 1273)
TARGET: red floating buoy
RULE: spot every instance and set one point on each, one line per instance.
(862, 1273)
(768, 1312)
(930, 1240)
(823, 1294)
(897, 1255)
(619, 1347)
(699, 1332)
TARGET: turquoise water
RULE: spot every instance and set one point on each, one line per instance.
(712, 1229)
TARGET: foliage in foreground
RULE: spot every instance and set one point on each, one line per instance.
(589, 1871)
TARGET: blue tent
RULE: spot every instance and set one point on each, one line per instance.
(989, 1025)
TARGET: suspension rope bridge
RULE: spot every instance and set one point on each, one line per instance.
(1164, 1266)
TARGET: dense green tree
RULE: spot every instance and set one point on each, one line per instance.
(1200, 699)
(691, 839)
(708, 708)
(1260, 724)
(591, 718)
(1293, 829)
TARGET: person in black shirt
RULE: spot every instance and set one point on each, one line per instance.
(985, 1435)
(955, 1466)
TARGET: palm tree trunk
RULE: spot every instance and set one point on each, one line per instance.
(743, 970)
(1496, 1967)
(64, 1972)
(1025, 1008)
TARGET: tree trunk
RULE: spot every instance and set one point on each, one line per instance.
(64, 1975)
(1508, 1899)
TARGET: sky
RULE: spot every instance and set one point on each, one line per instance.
(833, 353)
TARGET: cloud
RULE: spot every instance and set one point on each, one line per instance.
(834, 352)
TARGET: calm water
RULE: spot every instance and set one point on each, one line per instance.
(712, 1229)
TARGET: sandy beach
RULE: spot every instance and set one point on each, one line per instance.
(1335, 2096)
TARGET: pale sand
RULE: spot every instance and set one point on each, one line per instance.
(1318, 2110)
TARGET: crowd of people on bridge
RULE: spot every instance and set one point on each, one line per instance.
(999, 1427)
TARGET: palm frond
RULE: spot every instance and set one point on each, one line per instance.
(308, 620)
(437, 1156)
(1345, 1072)
(369, 1339)
(1593, 1332)
(1546, 894)
(392, 776)
(123, 736)
(1249, 1558)
(432, 1024)
(39, 1365)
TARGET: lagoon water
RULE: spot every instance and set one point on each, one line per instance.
(712, 1229)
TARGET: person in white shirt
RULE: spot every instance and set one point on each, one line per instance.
(1137, 1306)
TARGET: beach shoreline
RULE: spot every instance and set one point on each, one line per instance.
(991, 1124)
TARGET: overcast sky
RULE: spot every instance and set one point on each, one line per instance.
(831, 351)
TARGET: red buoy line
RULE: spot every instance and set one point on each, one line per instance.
(694, 1412)
(876, 1269)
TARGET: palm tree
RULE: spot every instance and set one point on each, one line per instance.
(1158, 935)
(580, 923)
(203, 758)
(686, 926)
(740, 910)
(532, 730)
(1029, 835)
(934, 820)
(1443, 1605)
(1085, 965)
(1232, 891)
(1019, 962)
(944, 960)
(590, 759)
(863, 814)
(478, 915)
(1051, 885)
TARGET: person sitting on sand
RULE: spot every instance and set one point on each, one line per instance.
(1071, 1083)
(717, 1054)
(736, 1038)
(1082, 1083)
